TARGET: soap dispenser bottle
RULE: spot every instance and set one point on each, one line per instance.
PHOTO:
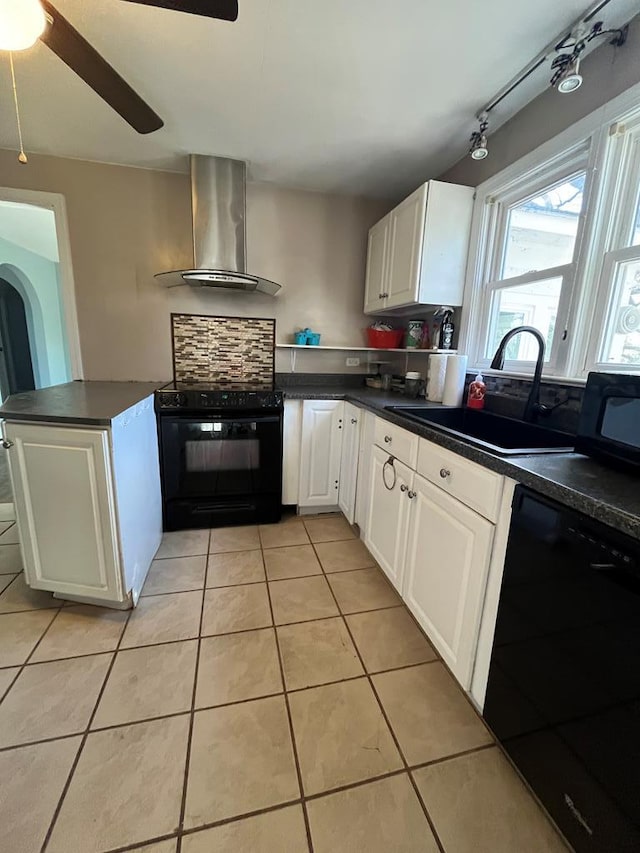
(477, 391)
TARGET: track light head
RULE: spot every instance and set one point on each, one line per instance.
(479, 145)
(567, 77)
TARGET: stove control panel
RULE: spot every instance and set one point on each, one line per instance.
(198, 400)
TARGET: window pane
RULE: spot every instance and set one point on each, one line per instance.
(623, 340)
(535, 304)
(635, 236)
(541, 231)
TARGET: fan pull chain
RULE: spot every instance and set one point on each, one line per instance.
(22, 157)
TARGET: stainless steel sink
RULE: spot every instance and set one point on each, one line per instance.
(496, 433)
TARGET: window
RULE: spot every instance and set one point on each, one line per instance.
(535, 229)
(556, 246)
(617, 333)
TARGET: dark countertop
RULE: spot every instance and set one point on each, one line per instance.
(610, 496)
(92, 403)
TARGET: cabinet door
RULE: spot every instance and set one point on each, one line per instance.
(64, 497)
(448, 553)
(349, 463)
(320, 454)
(388, 518)
(291, 435)
(376, 276)
(405, 249)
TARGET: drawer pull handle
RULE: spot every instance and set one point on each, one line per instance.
(387, 439)
(403, 488)
(411, 495)
(7, 444)
(444, 473)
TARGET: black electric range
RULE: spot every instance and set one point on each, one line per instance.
(220, 453)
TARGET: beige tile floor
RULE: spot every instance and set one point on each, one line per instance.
(269, 694)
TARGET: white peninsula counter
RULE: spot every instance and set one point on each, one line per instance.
(84, 467)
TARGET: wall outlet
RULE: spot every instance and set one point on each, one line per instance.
(353, 362)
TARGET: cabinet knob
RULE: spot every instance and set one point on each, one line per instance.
(354, 420)
(7, 444)
(444, 473)
(403, 488)
(411, 495)
(387, 439)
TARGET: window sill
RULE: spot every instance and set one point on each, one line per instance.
(547, 379)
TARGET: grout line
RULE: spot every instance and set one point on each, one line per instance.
(291, 730)
(192, 713)
(233, 819)
(392, 732)
(28, 657)
(85, 735)
(443, 759)
(137, 846)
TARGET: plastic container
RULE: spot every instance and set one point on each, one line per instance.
(313, 339)
(379, 339)
(414, 333)
(477, 391)
(301, 338)
(412, 384)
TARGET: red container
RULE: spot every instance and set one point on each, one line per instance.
(385, 340)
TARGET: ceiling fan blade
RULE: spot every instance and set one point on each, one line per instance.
(225, 10)
(67, 43)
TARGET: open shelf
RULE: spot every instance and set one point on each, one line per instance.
(367, 349)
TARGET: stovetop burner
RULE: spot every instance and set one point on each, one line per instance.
(197, 396)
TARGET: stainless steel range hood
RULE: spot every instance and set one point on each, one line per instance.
(218, 208)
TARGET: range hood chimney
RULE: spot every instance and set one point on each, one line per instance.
(218, 208)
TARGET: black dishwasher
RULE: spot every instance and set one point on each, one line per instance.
(563, 695)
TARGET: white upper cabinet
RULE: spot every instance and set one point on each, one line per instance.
(406, 223)
(377, 251)
(321, 452)
(349, 464)
(417, 254)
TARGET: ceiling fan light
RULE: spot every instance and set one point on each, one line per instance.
(22, 22)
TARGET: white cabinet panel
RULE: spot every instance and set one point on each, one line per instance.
(387, 523)
(447, 561)
(321, 451)
(367, 423)
(405, 249)
(349, 463)
(291, 437)
(62, 481)
(398, 441)
(376, 275)
(417, 253)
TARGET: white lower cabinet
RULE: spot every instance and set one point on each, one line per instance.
(291, 437)
(349, 461)
(321, 452)
(446, 565)
(390, 483)
(62, 482)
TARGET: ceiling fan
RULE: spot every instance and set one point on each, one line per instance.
(54, 30)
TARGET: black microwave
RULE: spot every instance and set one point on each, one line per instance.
(609, 427)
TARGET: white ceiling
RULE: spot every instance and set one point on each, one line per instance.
(354, 96)
(33, 228)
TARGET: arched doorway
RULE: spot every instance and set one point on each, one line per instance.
(16, 365)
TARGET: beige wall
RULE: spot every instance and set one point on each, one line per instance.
(126, 224)
(607, 73)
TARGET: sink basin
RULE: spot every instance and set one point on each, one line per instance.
(501, 435)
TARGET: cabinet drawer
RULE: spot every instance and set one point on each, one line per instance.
(470, 483)
(397, 441)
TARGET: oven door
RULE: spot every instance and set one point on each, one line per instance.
(222, 468)
(609, 420)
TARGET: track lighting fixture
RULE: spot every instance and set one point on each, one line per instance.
(566, 66)
(479, 147)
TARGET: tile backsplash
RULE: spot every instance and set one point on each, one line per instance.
(223, 350)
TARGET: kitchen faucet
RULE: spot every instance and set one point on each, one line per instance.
(534, 407)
